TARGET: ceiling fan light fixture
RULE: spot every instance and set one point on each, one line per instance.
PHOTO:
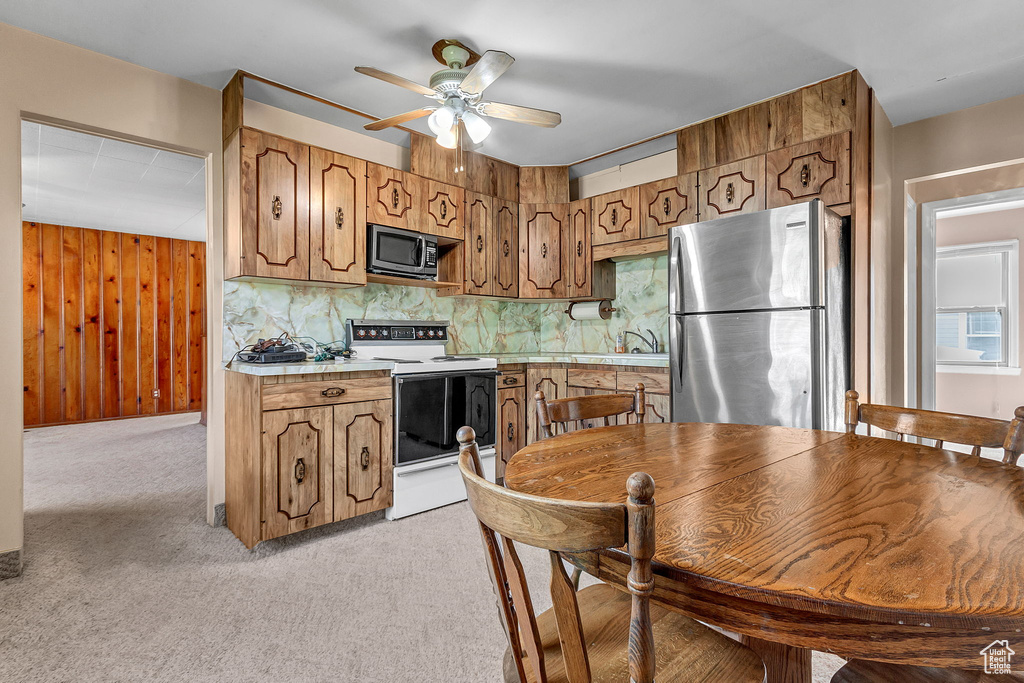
(442, 120)
(477, 128)
(448, 138)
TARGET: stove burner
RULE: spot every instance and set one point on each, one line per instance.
(451, 358)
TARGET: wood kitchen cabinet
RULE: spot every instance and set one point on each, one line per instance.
(581, 270)
(666, 203)
(505, 228)
(337, 217)
(440, 209)
(543, 263)
(479, 248)
(363, 458)
(391, 196)
(552, 381)
(272, 228)
(732, 189)
(819, 169)
(297, 470)
(581, 382)
(656, 392)
(305, 450)
(616, 216)
(511, 434)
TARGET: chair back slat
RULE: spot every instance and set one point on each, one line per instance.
(576, 410)
(562, 526)
(570, 625)
(967, 430)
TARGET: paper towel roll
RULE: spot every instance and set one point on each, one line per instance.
(590, 310)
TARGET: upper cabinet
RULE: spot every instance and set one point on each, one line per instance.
(819, 169)
(581, 272)
(543, 266)
(337, 217)
(505, 228)
(439, 210)
(274, 239)
(668, 202)
(616, 216)
(731, 189)
(391, 196)
(480, 250)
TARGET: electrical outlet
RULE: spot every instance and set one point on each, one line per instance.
(156, 393)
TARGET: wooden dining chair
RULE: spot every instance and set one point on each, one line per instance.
(577, 410)
(967, 430)
(598, 634)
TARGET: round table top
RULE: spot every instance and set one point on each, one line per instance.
(840, 524)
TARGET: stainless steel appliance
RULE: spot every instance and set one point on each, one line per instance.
(759, 318)
(392, 251)
(434, 394)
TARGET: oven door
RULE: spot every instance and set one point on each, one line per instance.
(430, 408)
(395, 251)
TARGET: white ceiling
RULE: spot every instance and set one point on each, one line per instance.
(617, 71)
(72, 178)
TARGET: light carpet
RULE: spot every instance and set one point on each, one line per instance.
(124, 580)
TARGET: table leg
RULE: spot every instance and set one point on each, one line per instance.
(785, 664)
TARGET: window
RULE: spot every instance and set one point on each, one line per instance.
(976, 304)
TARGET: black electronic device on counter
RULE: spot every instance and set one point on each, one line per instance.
(274, 354)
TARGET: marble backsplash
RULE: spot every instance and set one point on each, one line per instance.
(253, 310)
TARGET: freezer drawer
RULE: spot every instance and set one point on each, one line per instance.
(764, 260)
(756, 367)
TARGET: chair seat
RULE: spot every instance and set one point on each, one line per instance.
(685, 649)
(864, 671)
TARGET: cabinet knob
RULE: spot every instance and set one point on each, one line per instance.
(444, 209)
(511, 432)
(615, 217)
(579, 248)
(730, 193)
(509, 380)
(668, 206)
(339, 218)
(479, 243)
(332, 392)
(276, 207)
(805, 175)
(364, 458)
(505, 248)
(544, 250)
(300, 470)
(394, 197)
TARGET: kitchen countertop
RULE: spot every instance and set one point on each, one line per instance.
(659, 360)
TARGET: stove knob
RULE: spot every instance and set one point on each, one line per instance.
(440, 333)
(419, 334)
(373, 333)
(361, 333)
(430, 333)
(384, 332)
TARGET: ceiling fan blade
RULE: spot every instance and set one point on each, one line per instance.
(396, 80)
(514, 112)
(486, 71)
(399, 119)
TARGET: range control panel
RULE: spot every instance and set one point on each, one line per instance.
(391, 331)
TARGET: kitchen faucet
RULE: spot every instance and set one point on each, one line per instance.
(652, 342)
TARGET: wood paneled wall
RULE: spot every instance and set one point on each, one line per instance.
(113, 326)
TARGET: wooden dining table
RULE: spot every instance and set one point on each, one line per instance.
(804, 540)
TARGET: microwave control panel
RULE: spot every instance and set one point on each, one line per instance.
(361, 331)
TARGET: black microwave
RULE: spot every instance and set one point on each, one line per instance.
(392, 251)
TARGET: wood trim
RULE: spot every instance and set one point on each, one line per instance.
(650, 246)
(109, 319)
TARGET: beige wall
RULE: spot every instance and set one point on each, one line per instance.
(988, 134)
(50, 81)
(991, 395)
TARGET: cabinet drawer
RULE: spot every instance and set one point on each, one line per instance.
(654, 382)
(512, 379)
(299, 394)
(592, 379)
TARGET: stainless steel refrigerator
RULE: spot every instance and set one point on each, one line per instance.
(759, 318)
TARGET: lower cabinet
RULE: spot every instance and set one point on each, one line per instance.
(551, 381)
(656, 392)
(297, 456)
(363, 459)
(511, 428)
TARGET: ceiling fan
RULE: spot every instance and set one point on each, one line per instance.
(457, 120)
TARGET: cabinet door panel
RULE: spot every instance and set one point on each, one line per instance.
(440, 210)
(478, 246)
(297, 462)
(275, 201)
(511, 432)
(391, 196)
(580, 251)
(657, 408)
(552, 381)
(819, 169)
(543, 232)
(616, 216)
(731, 189)
(573, 392)
(506, 233)
(337, 217)
(362, 458)
(668, 202)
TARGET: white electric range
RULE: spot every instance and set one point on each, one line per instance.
(434, 395)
